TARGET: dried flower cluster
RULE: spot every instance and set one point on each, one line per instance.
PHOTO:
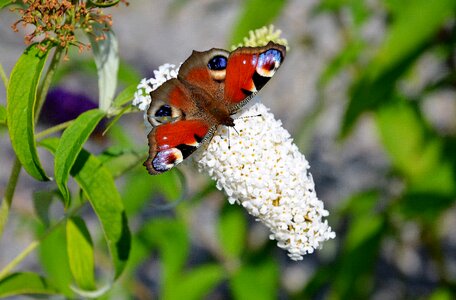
(56, 21)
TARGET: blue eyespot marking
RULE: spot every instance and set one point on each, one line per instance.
(164, 111)
(217, 63)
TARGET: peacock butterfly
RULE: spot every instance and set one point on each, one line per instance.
(209, 88)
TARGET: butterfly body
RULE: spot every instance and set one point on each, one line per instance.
(210, 87)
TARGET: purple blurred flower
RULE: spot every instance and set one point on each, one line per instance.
(62, 105)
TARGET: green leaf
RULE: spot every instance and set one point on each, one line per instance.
(256, 281)
(170, 236)
(71, 142)
(4, 3)
(25, 283)
(104, 3)
(97, 183)
(53, 258)
(42, 201)
(232, 230)
(425, 206)
(80, 253)
(415, 152)
(255, 14)
(409, 35)
(195, 284)
(414, 25)
(341, 60)
(21, 98)
(119, 160)
(125, 96)
(352, 278)
(2, 115)
(106, 53)
(442, 293)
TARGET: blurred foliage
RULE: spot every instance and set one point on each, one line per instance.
(108, 241)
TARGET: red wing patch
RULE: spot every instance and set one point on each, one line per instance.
(249, 69)
(171, 143)
(239, 73)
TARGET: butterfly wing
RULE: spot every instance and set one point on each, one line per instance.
(248, 70)
(205, 71)
(178, 129)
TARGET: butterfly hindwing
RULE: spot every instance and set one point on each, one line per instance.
(171, 143)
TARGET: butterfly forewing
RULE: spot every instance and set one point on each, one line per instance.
(248, 70)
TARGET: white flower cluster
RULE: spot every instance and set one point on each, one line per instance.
(260, 168)
(142, 95)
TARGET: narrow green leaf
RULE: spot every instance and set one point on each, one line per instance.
(232, 230)
(442, 293)
(25, 283)
(106, 53)
(117, 117)
(255, 14)
(170, 236)
(196, 284)
(256, 281)
(415, 152)
(2, 115)
(340, 61)
(42, 201)
(414, 25)
(119, 160)
(125, 96)
(21, 98)
(4, 3)
(53, 258)
(354, 273)
(80, 253)
(71, 142)
(97, 183)
(409, 35)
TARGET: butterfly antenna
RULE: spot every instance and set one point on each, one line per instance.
(248, 117)
(229, 140)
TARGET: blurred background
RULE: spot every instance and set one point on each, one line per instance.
(367, 91)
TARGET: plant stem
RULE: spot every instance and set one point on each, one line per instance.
(3, 76)
(42, 93)
(24, 253)
(53, 129)
(9, 193)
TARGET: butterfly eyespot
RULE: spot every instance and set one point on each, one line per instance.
(217, 63)
(269, 62)
(164, 111)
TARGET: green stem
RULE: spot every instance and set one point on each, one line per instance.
(33, 245)
(3, 76)
(53, 129)
(47, 81)
(8, 198)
